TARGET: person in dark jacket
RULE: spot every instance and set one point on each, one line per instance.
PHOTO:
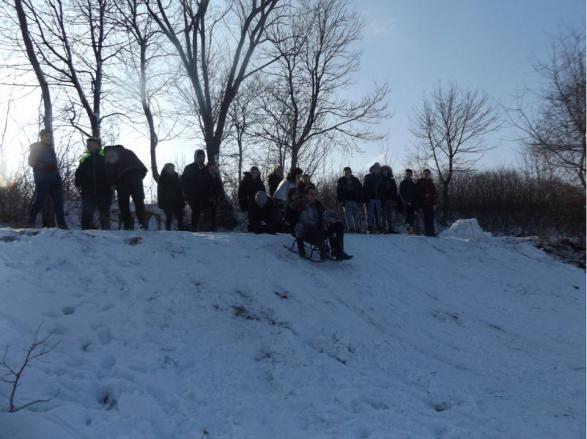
(426, 195)
(169, 196)
(263, 214)
(214, 193)
(90, 179)
(43, 160)
(407, 192)
(372, 196)
(194, 184)
(315, 227)
(349, 193)
(126, 172)
(248, 187)
(389, 198)
(274, 179)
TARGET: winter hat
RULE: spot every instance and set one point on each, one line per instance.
(261, 198)
(199, 152)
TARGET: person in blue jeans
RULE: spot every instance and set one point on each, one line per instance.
(372, 186)
(408, 197)
(43, 160)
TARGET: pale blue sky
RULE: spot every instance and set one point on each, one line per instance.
(413, 44)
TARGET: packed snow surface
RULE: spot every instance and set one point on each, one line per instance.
(466, 229)
(178, 335)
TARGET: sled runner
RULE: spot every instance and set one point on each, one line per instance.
(311, 250)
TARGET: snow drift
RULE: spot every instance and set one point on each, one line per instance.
(179, 335)
(466, 229)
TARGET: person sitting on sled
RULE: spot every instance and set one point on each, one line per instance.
(315, 226)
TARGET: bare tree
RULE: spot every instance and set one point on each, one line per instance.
(76, 40)
(190, 26)
(35, 64)
(556, 132)
(141, 53)
(243, 120)
(305, 115)
(13, 374)
(450, 127)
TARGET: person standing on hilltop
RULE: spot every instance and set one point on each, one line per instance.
(169, 196)
(407, 192)
(214, 194)
(372, 195)
(248, 187)
(126, 172)
(194, 184)
(427, 196)
(43, 160)
(389, 198)
(349, 193)
(90, 179)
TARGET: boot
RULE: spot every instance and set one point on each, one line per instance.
(342, 256)
(301, 248)
(323, 253)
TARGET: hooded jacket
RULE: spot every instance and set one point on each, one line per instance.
(194, 183)
(90, 175)
(121, 161)
(349, 189)
(372, 185)
(388, 189)
(169, 196)
(43, 160)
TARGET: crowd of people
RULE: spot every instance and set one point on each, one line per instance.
(380, 196)
(290, 205)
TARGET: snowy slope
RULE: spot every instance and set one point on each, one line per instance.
(231, 336)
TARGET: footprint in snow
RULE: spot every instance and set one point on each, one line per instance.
(68, 310)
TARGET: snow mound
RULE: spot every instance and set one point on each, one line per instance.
(161, 335)
(466, 229)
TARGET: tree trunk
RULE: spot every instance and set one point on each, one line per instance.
(212, 149)
(153, 140)
(445, 203)
(294, 157)
(240, 158)
(32, 56)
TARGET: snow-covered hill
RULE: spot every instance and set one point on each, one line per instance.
(217, 336)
